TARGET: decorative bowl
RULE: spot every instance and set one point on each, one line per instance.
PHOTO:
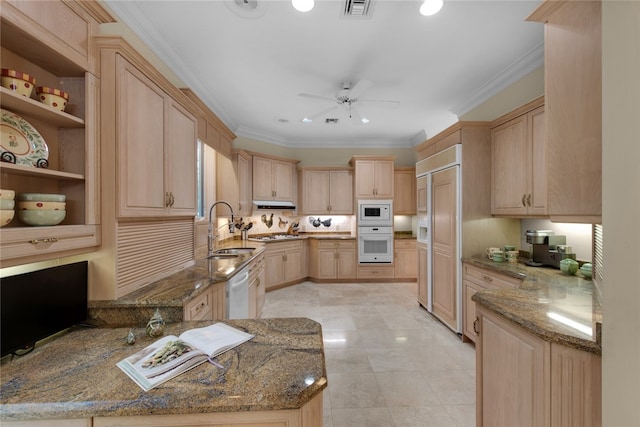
(54, 206)
(569, 266)
(41, 197)
(55, 98)
(7, 194)
(18, 81)
(6, 216)
(40, 217)
(6, 204)
(586, 270)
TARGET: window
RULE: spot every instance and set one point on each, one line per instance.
(200, 168)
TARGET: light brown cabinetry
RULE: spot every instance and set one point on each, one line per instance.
(273, 179)
(476, 279)
(525, 381)
(373, 177)
(404, 191)
(421, 250)
(405, 259)
(285, 263)
(519, 163)
(233, 183)
(573, 102)
(257, 287)
(332, 259)
(421, 195)
(152, 130)
(374, 272)
(326, 191)
(35, 41)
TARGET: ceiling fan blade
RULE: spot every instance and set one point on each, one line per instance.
(309, 95)
(323, 112)
(360, 88)
(380, 102)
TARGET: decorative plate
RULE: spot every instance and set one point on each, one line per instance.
(20, 142)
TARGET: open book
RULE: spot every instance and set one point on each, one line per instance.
(170, 356)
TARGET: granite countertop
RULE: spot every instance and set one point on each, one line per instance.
(75, 375)
(547, 303)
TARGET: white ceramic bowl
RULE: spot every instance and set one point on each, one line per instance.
(54, 206)
(7, 194)
(41, 197)
(6, 216)
(55, 98)
(41, 217)
(6, 204)
(18, 82)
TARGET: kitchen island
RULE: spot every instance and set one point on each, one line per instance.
(277, 377)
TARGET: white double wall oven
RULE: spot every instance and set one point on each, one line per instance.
(375, 231)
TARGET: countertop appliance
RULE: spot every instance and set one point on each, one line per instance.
(442, 232)
(238, 295)
(544, 248)
(375, 231)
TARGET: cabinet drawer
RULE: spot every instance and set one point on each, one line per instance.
(199, 308)
(405, 244)
(285, 246)
(336, 244)
(490, 279)
(39, 243)
(375, 272)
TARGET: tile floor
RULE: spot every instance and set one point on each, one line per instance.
(389, 362)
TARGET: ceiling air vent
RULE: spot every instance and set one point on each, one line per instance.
(357, 8)
(331, 121)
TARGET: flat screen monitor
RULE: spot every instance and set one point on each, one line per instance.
(41, 303)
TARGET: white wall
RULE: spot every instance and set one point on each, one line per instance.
(621, 212)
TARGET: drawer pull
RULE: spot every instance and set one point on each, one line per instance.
(46, 240)
(487, 278)
(475, 326)
(524, 200)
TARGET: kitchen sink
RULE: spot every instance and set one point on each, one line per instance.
(222, 256)
(234, 251)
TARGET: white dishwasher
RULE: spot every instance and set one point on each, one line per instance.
(238, 295)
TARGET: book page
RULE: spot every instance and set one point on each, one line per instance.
(215, 339)
(162, 356)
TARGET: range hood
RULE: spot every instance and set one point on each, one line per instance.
(274, 204)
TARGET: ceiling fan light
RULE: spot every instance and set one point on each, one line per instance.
(364, 120)
(306, 120)
(431, 7)
(303, 5)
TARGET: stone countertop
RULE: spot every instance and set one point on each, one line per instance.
(172, 292)
(75, 375)
(305, 235)
(546, 304)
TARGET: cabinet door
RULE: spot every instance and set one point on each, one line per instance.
(422, 274)
(316, 192)
(405, 259)
(510, 167)
(404, 192)
(262, 179)
(273, 269)
(200, 308)
(537, 202)
(180, 160)
(140, 150)
(341, 192)
(282, 180)
(326, 262)
(513, 377)
(293, 265)
(444, 240)
(469, 321)
(243, 174)
(383, 179)
(421, 194)
(364, 187)
(346, 262)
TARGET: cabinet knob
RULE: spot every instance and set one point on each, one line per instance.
(487, 278)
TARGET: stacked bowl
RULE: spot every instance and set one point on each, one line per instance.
(7, 203)
(40, 209)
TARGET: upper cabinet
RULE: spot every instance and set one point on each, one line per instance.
(154, 136)
(36, 41)
(404, 191)
(233, 183)
(273, 178)
(519, 166)
(421, 194)
(573, 103)
(326, 191)
(373, 177)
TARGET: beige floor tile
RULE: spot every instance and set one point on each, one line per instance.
(422, 416)
(406, 389)
(354, 390)
(362, 417)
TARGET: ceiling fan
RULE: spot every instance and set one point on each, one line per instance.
(346, 98)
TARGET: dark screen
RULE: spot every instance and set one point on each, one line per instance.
(37, 304)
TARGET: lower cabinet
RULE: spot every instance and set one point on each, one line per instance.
(522, 380)
(421, 250)
(375, 271)
(285, 263)
(210, 305)
(257, 287)
(405, 259)
(476, 279)
(332, 259)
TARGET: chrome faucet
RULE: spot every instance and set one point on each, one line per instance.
(210, 236)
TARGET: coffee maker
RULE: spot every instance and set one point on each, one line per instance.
(544, 248)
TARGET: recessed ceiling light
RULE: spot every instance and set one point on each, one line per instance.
(303, 5)
(364, 120)
(431, 7)
(306, 120)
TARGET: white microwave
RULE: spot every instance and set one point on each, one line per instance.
(375, 212)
